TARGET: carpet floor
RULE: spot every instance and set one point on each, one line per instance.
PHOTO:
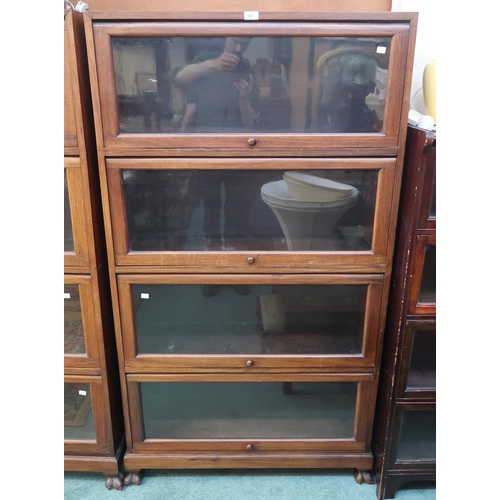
(238, 485)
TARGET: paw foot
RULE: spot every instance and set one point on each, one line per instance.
(363, 476)
(133, 478)
(115, 482)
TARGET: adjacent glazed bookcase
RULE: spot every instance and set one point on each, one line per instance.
(249, 322)
(405, 432)
(94, 439)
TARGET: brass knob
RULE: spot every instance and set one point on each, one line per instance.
(249, 362)
(249, 447)
(251, 260)
(252, 141)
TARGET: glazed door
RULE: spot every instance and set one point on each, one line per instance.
(250, 416)
(251, 215)
(423, 280)
(85, 427)
(250, 323)
(280, 88)
(414, 436)
(418, 361)
(82, 330)
(70, 127)
(76, 252)
(427, 218)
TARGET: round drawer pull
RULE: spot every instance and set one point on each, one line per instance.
(251, 260)
(249, 362)
(252, 141)
(249, 447)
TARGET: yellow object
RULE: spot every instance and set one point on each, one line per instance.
(429, 85)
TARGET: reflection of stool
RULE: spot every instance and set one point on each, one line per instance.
(304, 221)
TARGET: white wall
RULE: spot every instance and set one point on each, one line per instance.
(425, 50)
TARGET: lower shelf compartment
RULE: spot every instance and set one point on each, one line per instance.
(270, 415)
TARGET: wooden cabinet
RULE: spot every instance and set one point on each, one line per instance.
(249, 321)
(405, 431)
(94, 438)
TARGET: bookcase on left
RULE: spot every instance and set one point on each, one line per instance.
(93, 418)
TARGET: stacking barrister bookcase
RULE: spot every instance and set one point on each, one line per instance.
(249, 317)
(94, 439)
(404, 439)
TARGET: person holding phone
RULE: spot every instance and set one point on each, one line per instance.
(220, 86)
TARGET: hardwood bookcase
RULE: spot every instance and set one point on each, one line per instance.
(405, 432)
(94, 439)
(249, 326)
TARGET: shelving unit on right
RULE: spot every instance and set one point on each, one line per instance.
(404, 441)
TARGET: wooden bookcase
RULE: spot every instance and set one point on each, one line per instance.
(405, 432)
(249, 331)
(94, 439)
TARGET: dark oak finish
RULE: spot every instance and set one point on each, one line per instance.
(123, 154)
(90, 348)
(411, 331)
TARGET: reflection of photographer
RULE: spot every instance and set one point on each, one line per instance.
(222, 95)
(221, 88)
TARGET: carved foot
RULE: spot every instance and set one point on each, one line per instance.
(133, 478)
(115, 482)
(363, 476)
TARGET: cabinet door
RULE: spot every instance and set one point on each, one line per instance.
(70, 127)
(82, 326)
(76, 251)
(423, 280)
(251, 323)
(85, 407)
(183, 215)
(418, 361)
(427, 218)
(291, 88)
(249, 415)
(414, 436)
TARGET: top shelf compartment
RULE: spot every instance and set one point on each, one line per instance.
(296, 88)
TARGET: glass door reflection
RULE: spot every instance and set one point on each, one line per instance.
(78, 414)
(277, 84)
(249, 319)
(184, 210)
(248, 410)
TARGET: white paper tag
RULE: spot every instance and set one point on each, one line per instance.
(381, 50)
(251, 15)
(67, 296)
(82, 393)
(144, 295)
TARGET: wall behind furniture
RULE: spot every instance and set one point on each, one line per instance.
(425, 49)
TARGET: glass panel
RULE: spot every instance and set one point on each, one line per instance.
(432, 211)
(229, 210)
(74, 340)
(78, 417)
(248, 410)
(69, 244)
(427, 293)
(417, 440)
(282, 84)
(243, 319)
(422, 370)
